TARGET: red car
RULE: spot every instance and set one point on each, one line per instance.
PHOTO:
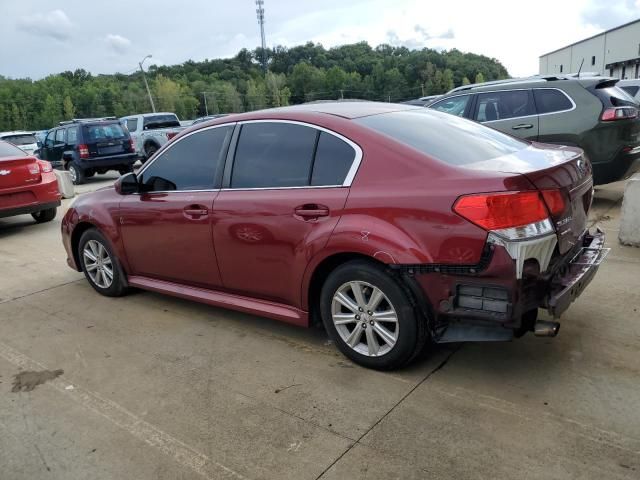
(27, 185)
(391, 224)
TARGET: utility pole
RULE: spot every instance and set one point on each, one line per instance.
(144, 77)
(422, 85)
(260, 15)
(206, 108)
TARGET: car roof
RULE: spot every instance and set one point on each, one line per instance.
(343, 109)
(15, 132)
(533, 80)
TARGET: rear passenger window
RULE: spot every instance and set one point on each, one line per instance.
(271, 155)
(551, 100)
(132, 124)
(60, 135)
(190, 163)
(72, 135)
(503, 105)
(334, 158)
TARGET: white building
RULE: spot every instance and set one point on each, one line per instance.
(615, 52)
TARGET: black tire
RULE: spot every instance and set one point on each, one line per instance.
(45, 215)
(149, 150)
(411, 334)
(77, 174)
(118, 285)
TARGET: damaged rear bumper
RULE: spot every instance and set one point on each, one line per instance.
(500, 297)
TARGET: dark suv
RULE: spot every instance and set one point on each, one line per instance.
(588, 112)
(87, 147)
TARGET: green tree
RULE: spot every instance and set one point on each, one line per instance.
(465, 81)
(68, 108)
(479, 78)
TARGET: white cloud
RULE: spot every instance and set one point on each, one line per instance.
(117, 43)
(54, 24)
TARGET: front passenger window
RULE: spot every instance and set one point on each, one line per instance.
(453, 105)
(191, 163)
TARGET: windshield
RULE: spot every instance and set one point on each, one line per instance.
(446, 137)
(8, 150)
(21, 139)
(109, 131)
(160, 121)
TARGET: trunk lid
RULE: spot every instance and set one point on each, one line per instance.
(18, 171)
(552, 167)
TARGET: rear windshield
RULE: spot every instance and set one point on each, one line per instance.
(26, 139)
(108, 131)
(446, 137)
(8, 150)
(160, 121)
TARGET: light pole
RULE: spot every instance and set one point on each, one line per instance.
(144, 77)
(260, 14)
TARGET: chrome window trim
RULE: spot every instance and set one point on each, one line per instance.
(355, 165)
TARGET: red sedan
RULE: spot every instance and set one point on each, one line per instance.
(27, 185)
(391, 224)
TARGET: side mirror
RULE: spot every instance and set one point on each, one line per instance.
(127, 184)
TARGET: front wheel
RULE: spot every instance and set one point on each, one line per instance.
(45, 215)
(370, 317)
(100, 266)
(149, 150)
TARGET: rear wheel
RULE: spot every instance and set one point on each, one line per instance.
(77, 174)
(370, 317)
(100, 265)
(45, 215)
(149, 150)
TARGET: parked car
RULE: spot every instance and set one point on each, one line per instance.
(150, 131)
(25, 141)
(588, 112)
(390, 223)
(631, 87)
(208, 117)
(87, 147)
(27, 185)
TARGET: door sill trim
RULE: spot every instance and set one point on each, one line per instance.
(264, 308)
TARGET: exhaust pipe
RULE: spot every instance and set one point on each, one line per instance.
(544, 328)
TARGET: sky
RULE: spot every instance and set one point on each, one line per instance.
(41, 37)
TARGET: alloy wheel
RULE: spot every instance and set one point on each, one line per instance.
(97, 263)
(74, 174)
(365, 318)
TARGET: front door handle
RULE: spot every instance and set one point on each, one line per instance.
(311, 211)
(522, 126)
(195, 211)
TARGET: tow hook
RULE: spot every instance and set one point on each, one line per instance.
(544, 328)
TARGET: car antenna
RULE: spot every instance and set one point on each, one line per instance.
(580, 69)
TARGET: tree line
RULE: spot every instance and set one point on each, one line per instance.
(293, 75)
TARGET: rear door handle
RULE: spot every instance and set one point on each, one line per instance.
(195, 211)
(311, 212)
(522, 126)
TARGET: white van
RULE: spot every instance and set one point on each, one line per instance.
(24, 140)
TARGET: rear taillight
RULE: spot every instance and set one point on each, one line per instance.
(495, 211)
(170, 135)
(45, 167)
(618, 113)
(132, 147)
(555, 202)
(512, 215)
(83, 150)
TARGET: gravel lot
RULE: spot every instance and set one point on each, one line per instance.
(159, 388)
